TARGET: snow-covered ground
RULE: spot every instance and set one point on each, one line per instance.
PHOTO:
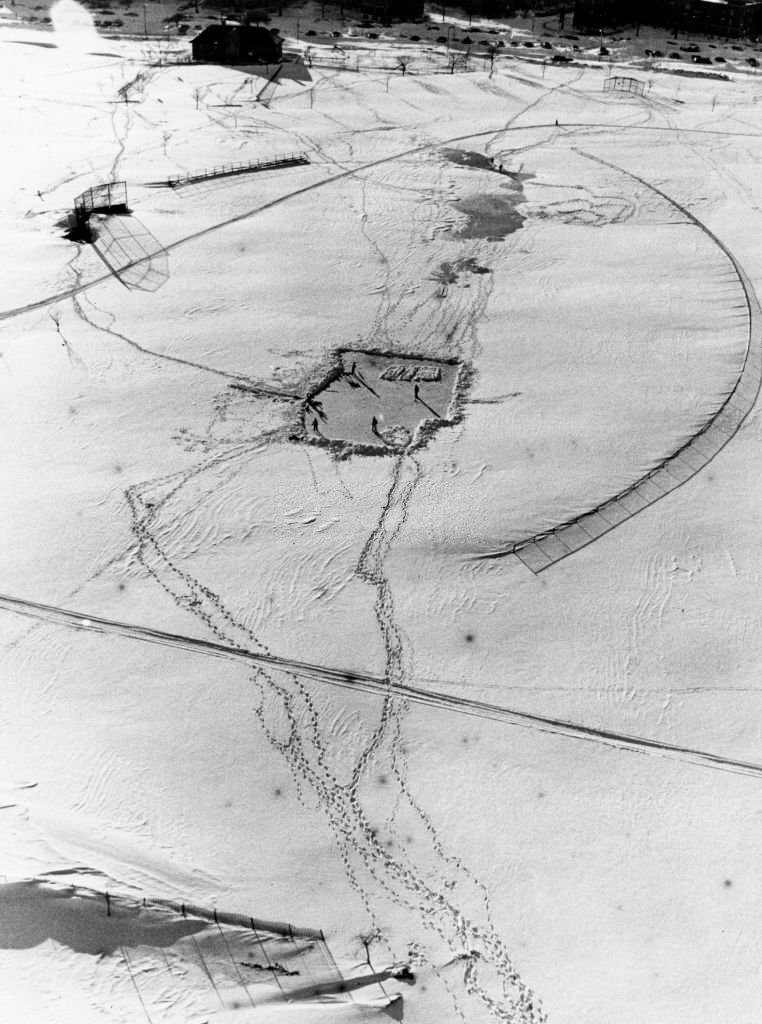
(154, 477)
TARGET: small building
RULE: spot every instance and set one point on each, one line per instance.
(237, 44)
(734, 19)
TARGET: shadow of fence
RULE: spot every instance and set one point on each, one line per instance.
(131, 252)
(179, 957)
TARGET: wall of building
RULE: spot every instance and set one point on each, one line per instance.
(727, 18)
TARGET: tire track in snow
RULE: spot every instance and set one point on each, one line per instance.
(364, 682)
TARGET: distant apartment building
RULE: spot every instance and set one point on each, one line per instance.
(730, 19)
(384, 11)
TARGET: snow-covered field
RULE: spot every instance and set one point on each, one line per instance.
(154, 476)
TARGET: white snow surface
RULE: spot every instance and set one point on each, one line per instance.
(520, 872)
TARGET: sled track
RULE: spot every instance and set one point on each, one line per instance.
(374, 684)
(497, 130)
(545, 549)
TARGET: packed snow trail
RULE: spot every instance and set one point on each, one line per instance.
(352, 679)
(372, 870)
(286, 704)
(79, 287)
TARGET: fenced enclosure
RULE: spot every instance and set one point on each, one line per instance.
(175, 962)
(110, 196)
(621, 83)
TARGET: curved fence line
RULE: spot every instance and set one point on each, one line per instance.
(545, 549)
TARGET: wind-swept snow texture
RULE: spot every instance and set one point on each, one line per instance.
(592, 261)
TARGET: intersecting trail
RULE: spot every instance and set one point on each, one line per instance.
(84, 286)
(353, 680)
